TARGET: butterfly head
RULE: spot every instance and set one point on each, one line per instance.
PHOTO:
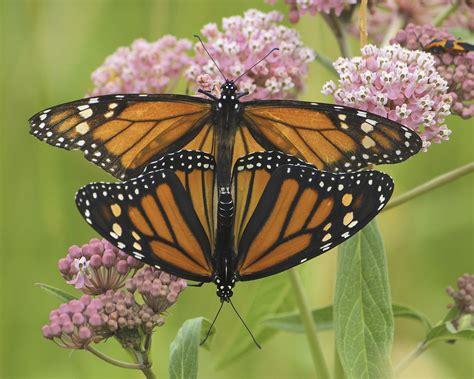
(228, 89)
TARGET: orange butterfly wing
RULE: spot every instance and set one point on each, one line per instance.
(332, 137)
(123, 133)
(160, 217)
(302, 213)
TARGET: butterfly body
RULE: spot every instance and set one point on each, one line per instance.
(224, 276)
(227, 116)
(278, 212)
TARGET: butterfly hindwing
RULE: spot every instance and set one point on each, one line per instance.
(154, 218)
(332, 137)
(304, 212)
(250, 176)
(196, 171)
(123, 133)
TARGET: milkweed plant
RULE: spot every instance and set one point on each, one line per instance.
(119, 299)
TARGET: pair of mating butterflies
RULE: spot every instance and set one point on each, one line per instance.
(252, 213)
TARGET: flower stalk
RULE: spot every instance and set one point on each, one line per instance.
(340, 34)
(114, 361)
(405, 362)
(363, 23)
(450, 9)
(320, 365)
(431, 185)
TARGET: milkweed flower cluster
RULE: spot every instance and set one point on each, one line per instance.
(299, 7)
(110, 278)
(76, 324)
(144, 67)
(97, 267)
(158, 289)
(396, 83)
(240, 44)
(464, 297)
(456, 69)
(391, 12)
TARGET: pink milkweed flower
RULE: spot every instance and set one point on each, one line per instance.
(397, 83)
(158, 289)
(144, 67)
(389, 12)
(97, 267)
(463, 298)
(76, 324)
(81, 265)
(299, 7)
(242, 42)
(456, 69)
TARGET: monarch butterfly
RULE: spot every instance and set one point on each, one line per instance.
(278, 213)
(441, 46)
(123, 133)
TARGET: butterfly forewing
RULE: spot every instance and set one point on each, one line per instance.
(332, 137)
(123, 133)
(304, 212)
(154, 218)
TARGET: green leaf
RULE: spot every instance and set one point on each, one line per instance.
(323, 317)
(463, 34)
(404, 311)
(363, 317)
(446, 332)
(184, 349)
(272, 297)
(60, 294)
(291, 321)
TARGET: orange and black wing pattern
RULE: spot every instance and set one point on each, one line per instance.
(332, 137)
(123, 133)
(304, 212)
(155, 218)
(250, 178)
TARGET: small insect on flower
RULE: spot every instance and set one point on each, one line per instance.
(97, 267)
(441, 46)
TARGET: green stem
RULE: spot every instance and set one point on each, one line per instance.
(147, 344)
(406, 361)
(320, 366)
(338, 369)
(340, 34)
(142, 359)
(450, 9)
(432, 184)
(395, 25)
(113, 361)
(326, 63)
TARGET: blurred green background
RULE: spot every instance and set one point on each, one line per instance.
(49, 49)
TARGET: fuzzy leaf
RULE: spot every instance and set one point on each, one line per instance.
(323, 317)
(291, 321)
(272, 297)
(60, 294)
(446, 331)
(184, 349)
(363, 317)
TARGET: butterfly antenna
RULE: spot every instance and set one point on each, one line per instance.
(261, 60)
(213, 322)
(246, 327)
(210, 56)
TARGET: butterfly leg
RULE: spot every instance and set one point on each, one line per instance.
(242, 94)
(208, 94)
